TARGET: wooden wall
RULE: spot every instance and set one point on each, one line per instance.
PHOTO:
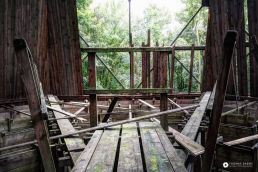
(51, 31)
(224, 15)
(253, 31)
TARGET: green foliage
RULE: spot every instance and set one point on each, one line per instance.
(106, 25)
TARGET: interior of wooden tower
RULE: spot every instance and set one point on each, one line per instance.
(50, 123)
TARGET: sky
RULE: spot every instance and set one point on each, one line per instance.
(138, 6)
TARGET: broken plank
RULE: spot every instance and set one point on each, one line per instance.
(177, 105)
(154, 153)
(103, 159)
(130, 152)
(84, 159)
(194, 148)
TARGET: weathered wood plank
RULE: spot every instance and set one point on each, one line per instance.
(103, 158)
(242, 140)
(154, 153)
(193, 147)
(177, 163)
(128, 91)
(130, 152)
(85, 157)
(65, 126)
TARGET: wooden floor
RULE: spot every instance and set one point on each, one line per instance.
(142, 146)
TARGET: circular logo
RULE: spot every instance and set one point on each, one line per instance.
(225, 165)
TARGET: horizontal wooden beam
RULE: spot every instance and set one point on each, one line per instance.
(242, 140)
(129, 91)
(140, 49)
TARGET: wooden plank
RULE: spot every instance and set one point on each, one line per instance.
(131, 69)
(239, 108)
(103, 158)
(155, 156)
(194, 148)
(147, 104)
(164, 107)
(65, 126)
(144, 69)
(84, 159)
(130, 152)
(110, 109)
(31, 83)
(228, 47)
(191, 70)
(139, 49)
(192, 126)
(172, 69)
(177, 163)
(242, 140)
(177, 105)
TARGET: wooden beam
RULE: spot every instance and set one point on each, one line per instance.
(34, 96)
(156, 64)
(242, 140)
(147, 104)
(191, 70)
(172, 69)
(92, 86)
(228, 47)
(129, 91)
(144, 69)
(140, 49)
(110, 109)
(105, 126)
(239, 108)
(177, 105)
(131, 69)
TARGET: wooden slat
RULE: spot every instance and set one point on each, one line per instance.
(191, 70)
(65, 126)
(130, 152)
(154, 153)
(172, 69)
(84, 159)
(103, 159)
(147, 104)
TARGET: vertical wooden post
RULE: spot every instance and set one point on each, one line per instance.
(144, 68)
(191, 70)
(228, 47)
(131, 69)
(92, 85)
(155, 72)
(172, 69)
(163, 84)
(148, 60)
(253, 25)
(36, 101)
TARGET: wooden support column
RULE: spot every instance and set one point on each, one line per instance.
(144, 68)
(92, 85)
(36, 101)
(228, 47)
(156, 64)
(191, 70)
(148, 60)
(163, 84)
(253, 31)
(172, 69)
(131, 69)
